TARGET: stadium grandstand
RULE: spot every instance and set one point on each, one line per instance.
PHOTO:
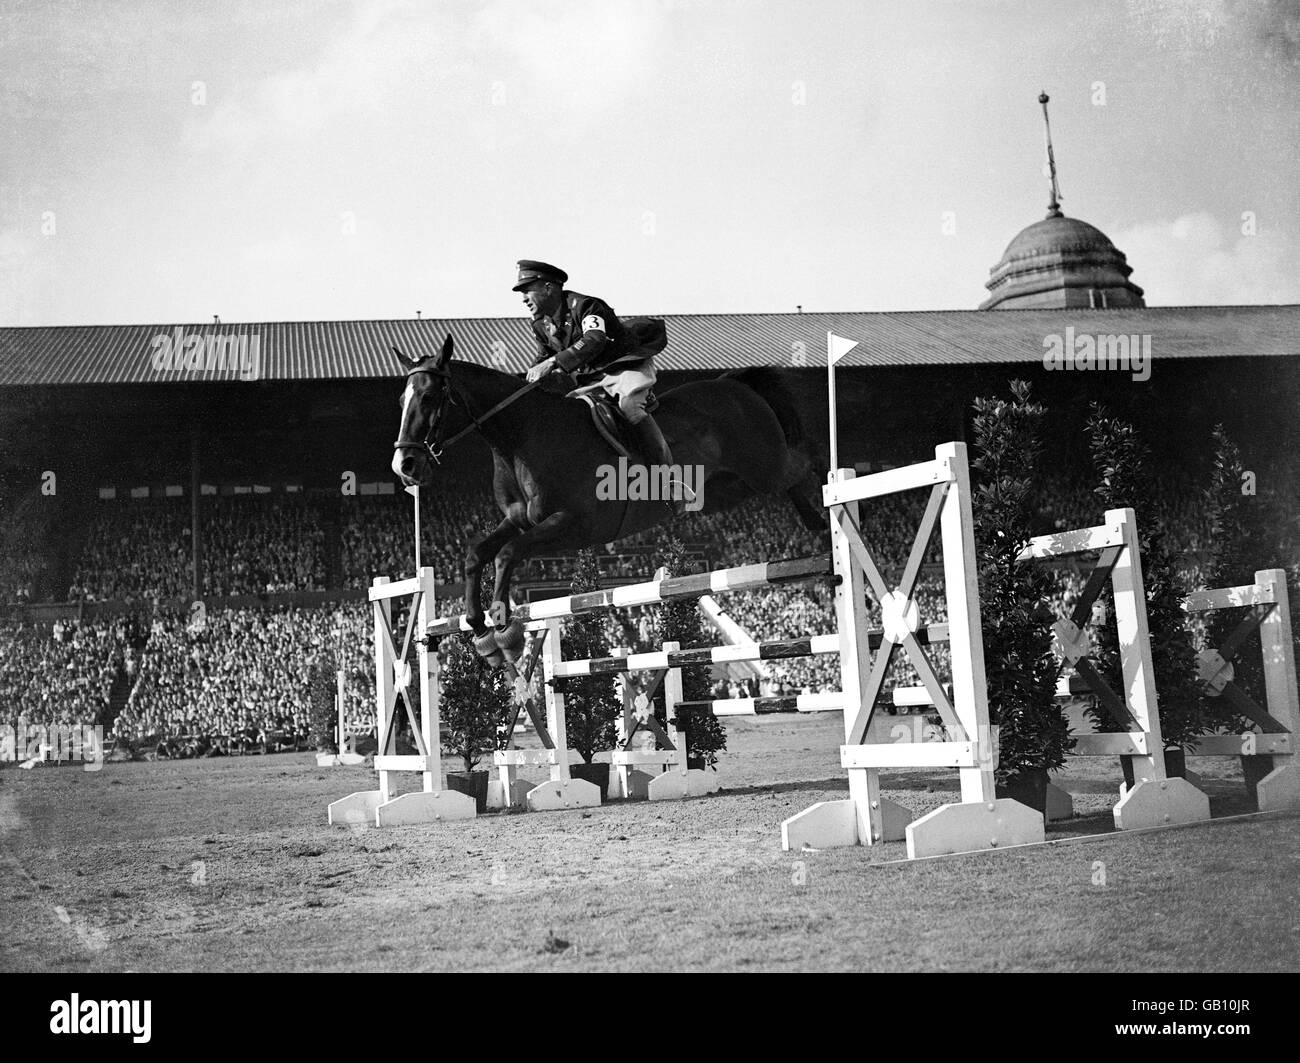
(147, 468)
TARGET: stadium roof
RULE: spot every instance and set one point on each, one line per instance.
(332, 350)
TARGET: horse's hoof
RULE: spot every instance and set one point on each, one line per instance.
(497, 614)
(485, 646)
(510, 639)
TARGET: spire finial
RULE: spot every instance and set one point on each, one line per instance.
(1054, 207)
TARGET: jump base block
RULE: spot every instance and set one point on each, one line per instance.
(676, 785)
(1160, 802)
(970, 827)
(834, 824)
(561, 794)
(1279, 789)
(355, 810)
(424, 807)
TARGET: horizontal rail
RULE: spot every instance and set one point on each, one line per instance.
(1229, 598)
(742, 651)
(1239, 745)
(889, 482)
(741, 578)
(1068, 543)
(910, 755)
(766, 706)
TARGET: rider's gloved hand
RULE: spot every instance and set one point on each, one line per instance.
(541, 369)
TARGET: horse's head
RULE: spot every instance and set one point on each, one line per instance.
(424, 403)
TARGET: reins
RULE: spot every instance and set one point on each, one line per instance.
(451, 393)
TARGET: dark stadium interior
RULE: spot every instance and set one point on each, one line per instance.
(97, 589)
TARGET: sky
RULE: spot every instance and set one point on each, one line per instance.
(280, 160)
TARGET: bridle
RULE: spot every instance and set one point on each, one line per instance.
(451, 395)
(431, 444)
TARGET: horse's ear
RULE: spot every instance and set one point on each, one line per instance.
(448, 345)
(407, 363)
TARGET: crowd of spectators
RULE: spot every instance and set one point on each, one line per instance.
(238, 680)
(61, 674)
(256, 545)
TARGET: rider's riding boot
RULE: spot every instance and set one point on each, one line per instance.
(655, 450)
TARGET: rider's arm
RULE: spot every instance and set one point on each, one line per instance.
(593, 314)
(592, 343)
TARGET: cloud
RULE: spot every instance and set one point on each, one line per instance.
(596, 49)
(385, 57)
(1198, 260)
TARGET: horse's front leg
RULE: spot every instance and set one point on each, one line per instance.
(480, 552)
(510, 636)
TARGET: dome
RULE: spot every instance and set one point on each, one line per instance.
(1061, 262)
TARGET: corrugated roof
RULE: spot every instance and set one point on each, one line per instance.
(320, 350)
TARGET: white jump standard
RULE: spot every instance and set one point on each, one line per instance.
(980, 820)
(1154, 799)
(1278, 720)
(392, 682)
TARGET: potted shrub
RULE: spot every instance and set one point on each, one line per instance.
(475, 703)
(1243, 540)
(1123, 464)
(1033, 734)
(322, 709)
(680, 622)
(591, 702)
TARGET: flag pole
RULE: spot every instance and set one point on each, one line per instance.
(414, 492)
(830, 388)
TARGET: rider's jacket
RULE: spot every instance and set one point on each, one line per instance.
(585, 336)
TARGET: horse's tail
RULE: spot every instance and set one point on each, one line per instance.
(770, 386)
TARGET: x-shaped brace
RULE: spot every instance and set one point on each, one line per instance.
(526, 699)
(900, 620)
(643, 713)
(1074, 648)
(402, 681)
(1215, 670)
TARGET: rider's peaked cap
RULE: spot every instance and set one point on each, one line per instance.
(538, 271)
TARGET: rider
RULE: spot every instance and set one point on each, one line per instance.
(581, 334)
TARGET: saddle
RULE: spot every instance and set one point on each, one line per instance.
(610, 423)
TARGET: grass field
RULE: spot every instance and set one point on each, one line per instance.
(228, 864)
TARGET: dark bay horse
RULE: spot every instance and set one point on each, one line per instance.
(741, 428)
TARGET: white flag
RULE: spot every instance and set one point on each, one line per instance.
(837, 347)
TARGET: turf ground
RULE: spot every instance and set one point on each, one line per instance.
(228, 864)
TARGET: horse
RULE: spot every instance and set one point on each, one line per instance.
(549, 463)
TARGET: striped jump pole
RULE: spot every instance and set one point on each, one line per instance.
(741, 578)
(830, 701)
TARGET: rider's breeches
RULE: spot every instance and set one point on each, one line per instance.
(631, 385)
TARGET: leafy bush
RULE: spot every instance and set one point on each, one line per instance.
(322, 688)
(1016, 618)
(591, 702)
(705, 734)
(476, 703)
(1123, 464)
